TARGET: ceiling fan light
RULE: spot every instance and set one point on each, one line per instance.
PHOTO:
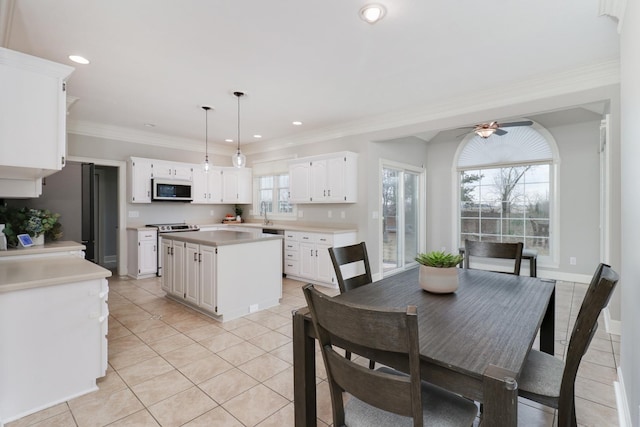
(372, 13)
(485, 132)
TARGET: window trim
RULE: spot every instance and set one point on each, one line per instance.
(293, 215)
(551, 261)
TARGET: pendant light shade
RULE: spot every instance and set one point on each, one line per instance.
(205, 165)
(239, 160)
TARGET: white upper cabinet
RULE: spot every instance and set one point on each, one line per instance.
(331, 178)
(140, 172)
(173, 170)
(32, 119)
(222, 185)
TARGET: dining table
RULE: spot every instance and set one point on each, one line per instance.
(473, 342)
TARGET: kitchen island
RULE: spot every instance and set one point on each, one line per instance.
(53, 326)
(223, 274)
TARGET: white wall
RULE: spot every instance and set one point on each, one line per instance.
(630, 223)
(578, 187)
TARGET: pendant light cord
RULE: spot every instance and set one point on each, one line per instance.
(238, 95)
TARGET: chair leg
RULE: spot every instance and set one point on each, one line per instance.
(347, 354)
(372, 364)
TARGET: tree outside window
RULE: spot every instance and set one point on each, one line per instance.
(506, 204)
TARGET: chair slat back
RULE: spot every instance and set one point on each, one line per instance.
(596, 299)
(494, 250)
(347, 255)
(358, 327)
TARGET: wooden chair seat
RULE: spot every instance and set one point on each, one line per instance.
(550, 381)
(439, 408)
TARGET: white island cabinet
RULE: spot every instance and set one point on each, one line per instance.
(53, 327)
(224, 274)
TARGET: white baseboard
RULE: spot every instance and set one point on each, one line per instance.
(610, 325)
(624, 416)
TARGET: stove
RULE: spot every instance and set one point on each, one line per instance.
(172, 228)
(169, 228)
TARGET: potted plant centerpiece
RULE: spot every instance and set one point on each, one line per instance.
(438, 273)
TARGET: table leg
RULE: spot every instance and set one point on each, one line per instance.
(547, 329)
(304, 371)
(500, 394)
(533, 266)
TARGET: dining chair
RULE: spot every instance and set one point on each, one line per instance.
(381, 397)
(494, 250)
(550, 381)
(348, 255)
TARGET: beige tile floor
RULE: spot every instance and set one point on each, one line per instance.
(170, 366)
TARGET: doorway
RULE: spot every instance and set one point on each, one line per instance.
(402, 213)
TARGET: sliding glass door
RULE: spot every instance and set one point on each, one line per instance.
(402, 209)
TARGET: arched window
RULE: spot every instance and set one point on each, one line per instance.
(507, 189)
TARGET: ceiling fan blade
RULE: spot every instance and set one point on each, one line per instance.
(512, 124)
(500, 132)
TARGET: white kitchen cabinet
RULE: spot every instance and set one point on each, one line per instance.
(140, 173)
(142, 253)
(330, 178)
(207, 186)
(191, 272)
(166, 247)
(172, 170)
(307, 255)
(223, 185)
(33, 138)
(207, 278)
(178, 252)
(236, 185)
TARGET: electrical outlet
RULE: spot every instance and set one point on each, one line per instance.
(374, 215)
(134, 214)
(342, 215)
(211, 212)
(572, 260)
(300, 213)
(330, 214)
(253, 308)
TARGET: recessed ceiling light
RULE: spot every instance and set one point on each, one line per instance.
(257, 136)
(79, 59)
(228, 140)
(150, 125)
(297, 123)
(372, 13)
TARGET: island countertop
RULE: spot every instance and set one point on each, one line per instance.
(28, 273)
(221, 237)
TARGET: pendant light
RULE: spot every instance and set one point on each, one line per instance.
(239, 160)
(205, 164)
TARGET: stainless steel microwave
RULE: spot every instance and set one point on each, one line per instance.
(171, 190)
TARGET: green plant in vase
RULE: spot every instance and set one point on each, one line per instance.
(437, 271)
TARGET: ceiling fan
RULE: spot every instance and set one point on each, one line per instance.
(485, 130)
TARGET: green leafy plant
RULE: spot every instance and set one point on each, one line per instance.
(33, 222)
(439, 259)
(238, 210)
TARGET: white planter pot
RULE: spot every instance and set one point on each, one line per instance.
(38, 240)
(438, 280)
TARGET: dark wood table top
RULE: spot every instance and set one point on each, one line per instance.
(492, 319)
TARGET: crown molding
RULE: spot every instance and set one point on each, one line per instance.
(116, 133)
(537, 88)
(540, 87)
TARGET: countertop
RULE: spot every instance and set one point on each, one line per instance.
(290, 227)
(47, 248)
(28, 273)
(220, 237)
